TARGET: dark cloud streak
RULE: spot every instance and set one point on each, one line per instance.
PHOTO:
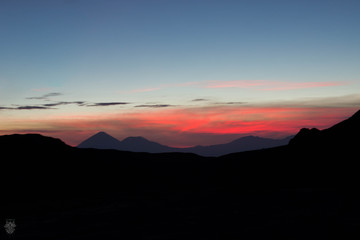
(26, 107)
(46, 96)
(104, 104)
(235, 103)
(31, 107)
(80, 103)
(5, 108)
(55, 104)
(200, 100)
(154, 105)
(230, 103)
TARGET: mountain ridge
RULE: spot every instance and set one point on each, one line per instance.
(141, 144)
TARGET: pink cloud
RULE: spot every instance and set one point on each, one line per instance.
(270, 85)
(262, 85)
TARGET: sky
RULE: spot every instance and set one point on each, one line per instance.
(178, 72)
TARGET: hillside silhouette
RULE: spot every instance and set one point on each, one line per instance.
(344, 135)
(307, 189)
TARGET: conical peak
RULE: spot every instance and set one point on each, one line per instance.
(101, 133)
(100, 140)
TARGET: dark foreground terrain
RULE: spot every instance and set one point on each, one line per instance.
(308, 189)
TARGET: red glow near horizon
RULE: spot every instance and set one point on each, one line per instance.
(189, 126)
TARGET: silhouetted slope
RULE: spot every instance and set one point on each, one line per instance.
(140, 144)
(248, 143)
(346, 132)
(344, 136)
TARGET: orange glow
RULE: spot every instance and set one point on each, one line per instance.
(187, 126)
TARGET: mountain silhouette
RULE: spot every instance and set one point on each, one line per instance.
(307, 189)
(100, 140)
(103, 140)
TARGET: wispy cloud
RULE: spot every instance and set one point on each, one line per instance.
(289, 86)
(25, 107)
(270, 85)
(154, 106)
(80, 103)
(62, 103)
(200, 100)
(4, 108)
(46, 96)
(230, 103)
(31, 107)
(260, 85)
(345, 101)
(104, 104)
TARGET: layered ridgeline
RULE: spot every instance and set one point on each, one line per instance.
(102, 140)
(307, 189)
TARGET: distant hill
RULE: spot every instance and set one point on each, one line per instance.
(103, 140)
(248, 143)
(140, 144)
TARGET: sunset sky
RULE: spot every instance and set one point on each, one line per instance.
(179, 72)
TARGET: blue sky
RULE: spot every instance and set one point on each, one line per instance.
(164, 52)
